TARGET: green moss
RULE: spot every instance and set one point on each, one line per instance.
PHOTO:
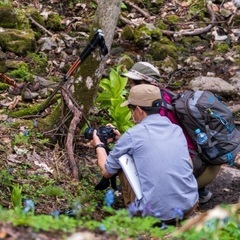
(169, 63)
(30, 110)
(126, 61)
(221, 47)
(153, 6)
(144, 34)
(172, 19)
(38, 62)
(17, 41)
(160, 51)
(189, 41)
(128, 33)
(22, 72)
(161, 25)
(51, 120)
(54, 22)
(13, 18)
(3, 86)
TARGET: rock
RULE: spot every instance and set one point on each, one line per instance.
(214, 84)
(235, 81)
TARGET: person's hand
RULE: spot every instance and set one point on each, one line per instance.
(116, 132)
(96, 140)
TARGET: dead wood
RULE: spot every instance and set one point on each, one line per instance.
(187, 32)
(41, 27)
(144, 13)
(77, 116)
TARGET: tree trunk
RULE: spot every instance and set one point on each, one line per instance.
(90, 72)
(87, 78)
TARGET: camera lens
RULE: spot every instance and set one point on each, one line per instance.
(88, 133)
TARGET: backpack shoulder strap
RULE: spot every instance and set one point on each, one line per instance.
(167, 97)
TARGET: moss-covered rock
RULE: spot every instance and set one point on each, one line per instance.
(221, 47)
(153, 6)
(3, 67)
(17, 41)
(128, 33)
(126, 61)
(169, 65)
(54, 22)
(144, 34)
(13, 18)
(160, 51)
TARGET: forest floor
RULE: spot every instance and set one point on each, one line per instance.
(225, 188)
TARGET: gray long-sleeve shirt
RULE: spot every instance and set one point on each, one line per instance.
(160, 153)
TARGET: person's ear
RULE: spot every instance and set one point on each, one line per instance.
(139, 109)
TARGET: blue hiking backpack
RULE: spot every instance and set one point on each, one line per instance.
(205, 111)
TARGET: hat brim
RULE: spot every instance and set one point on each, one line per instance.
(124, 104)
(131, 76)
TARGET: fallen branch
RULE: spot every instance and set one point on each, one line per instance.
(187, 32)
(126, 21)
(41, 27)
(197, 31)
(77, 115)
(144, 13)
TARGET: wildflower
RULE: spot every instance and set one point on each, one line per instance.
(28, 206)
(25, 133)
(109, 197)
(102, 227)
(164, 226)
(74, 211)
(178, 213)
(132, 210)
(55, 213)
(147, 210)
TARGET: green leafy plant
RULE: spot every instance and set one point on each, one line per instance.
(16, 197)
(111, 96)
(22, 73)
(54, 191)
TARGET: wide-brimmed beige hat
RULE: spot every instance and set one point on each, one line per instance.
(142, 95)
(143, 71)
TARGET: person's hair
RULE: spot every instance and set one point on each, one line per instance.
(156, 106)
(138, 82)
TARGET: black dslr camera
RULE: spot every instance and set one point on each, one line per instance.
(104, 133)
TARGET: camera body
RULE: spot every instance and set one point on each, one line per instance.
(104, 133)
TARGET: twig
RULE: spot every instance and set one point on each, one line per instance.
(40, 26)
(126, 21)
(144, 13)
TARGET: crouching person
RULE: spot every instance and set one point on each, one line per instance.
(159, 150)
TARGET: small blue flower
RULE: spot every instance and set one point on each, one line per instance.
(76, 207)
(164, 226)
(35, 123)
(178, 213)
(147, 210)
(102, 227)
(28, 206)
(109, 197)
(55, 213)
(132, 209)
(25, 133)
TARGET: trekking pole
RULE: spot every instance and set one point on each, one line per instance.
(97, 40)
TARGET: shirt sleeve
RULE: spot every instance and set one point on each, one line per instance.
(124, 145)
